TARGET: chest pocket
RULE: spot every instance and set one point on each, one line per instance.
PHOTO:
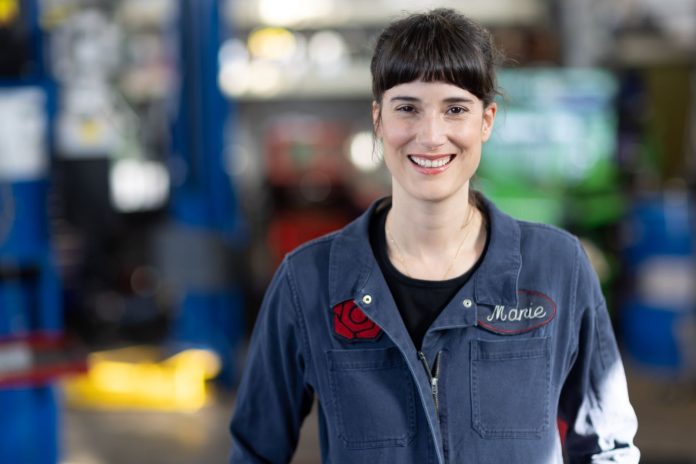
(373, 398)
(510, 387)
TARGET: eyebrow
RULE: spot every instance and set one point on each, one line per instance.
(446, 100)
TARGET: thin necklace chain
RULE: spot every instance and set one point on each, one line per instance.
(400, 255)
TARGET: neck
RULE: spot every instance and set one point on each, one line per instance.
(423, 226)
(434, 237)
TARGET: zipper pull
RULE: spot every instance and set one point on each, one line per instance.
(433, 375)
(434, 381)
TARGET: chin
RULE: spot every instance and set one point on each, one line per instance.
(437, 194)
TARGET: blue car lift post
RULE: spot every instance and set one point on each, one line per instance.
(31, 319)
(204, 207)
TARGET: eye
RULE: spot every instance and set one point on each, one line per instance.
(457, 110)
(406, 108)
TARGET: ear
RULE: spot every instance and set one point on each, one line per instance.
(376, 113)
(488, 119)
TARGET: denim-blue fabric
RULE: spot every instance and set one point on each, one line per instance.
(525, 343)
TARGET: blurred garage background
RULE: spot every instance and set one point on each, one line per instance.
(159, 157)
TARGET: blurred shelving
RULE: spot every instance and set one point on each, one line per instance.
(334, 13)
(321, 51)
(645, 50)
(350, 82)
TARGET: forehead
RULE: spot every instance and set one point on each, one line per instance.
(428, 92)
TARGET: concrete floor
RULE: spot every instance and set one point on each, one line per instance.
(667, 433)
(666, 419)
(114, 437)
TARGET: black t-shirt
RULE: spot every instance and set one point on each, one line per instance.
(418, 301)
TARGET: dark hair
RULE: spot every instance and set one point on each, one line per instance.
(440, 45)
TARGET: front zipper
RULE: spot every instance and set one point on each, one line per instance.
(434, 376)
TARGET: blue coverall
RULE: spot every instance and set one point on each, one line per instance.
(525, 343)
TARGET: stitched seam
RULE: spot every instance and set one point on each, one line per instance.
(574, 295)
(476, 406)
(511, 356)
(443, 416)
(601, 342)
(313, 243)
(546, 227)
(365, 275)
(364, 367)
(493, 328)
(300, 316)
(332, 272)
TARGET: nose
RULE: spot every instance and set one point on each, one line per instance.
(432, 133)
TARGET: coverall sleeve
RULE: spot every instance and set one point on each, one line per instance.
(594, 399)
(273, 397)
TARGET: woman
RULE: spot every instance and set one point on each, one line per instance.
(435, 328)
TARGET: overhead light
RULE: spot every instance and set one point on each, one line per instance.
(265, 78)
(327, 49)
(232, 51)
(362, 153)
(287, 12)
(138, 185)
(272, 43)
(234, 78)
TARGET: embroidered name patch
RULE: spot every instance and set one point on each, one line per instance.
(534, 309)
(350, 323)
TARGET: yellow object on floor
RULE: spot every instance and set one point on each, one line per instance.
(9, 9)
(138, 378)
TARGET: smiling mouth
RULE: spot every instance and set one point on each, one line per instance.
(424, 162)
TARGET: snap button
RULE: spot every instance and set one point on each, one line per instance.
(467, 303)
(367, 299)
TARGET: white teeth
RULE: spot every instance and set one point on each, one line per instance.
(428, 163)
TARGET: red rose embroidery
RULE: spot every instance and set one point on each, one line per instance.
(352, 324)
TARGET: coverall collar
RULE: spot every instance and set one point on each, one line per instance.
(352, 261)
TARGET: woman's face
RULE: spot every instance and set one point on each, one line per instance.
(432, 133)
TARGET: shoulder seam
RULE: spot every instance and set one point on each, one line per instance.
(313, 243)
(548, 227)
